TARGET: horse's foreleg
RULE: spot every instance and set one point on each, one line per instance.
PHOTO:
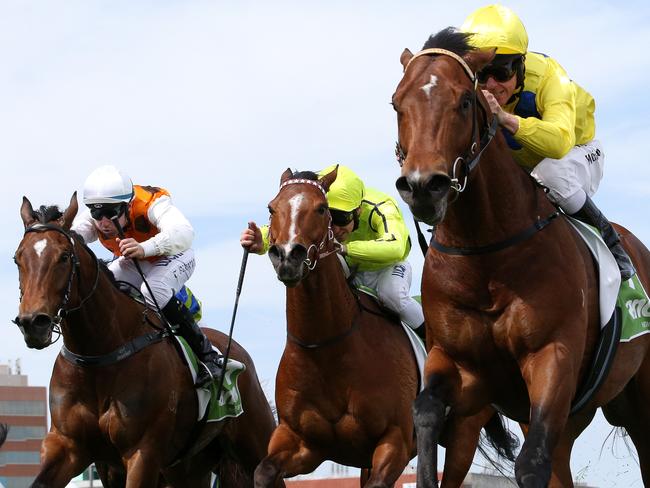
(61, 460)
(429, 414)
(462, 436)
(142, 469)
(389, 459)
(288, 456)
(550, 389)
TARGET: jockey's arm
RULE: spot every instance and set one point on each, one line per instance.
(84, 226)
(391, 241)
(553, 135)
(176, 233)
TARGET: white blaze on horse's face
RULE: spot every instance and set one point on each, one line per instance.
(39, 247)
(433, 81)
(295, 202)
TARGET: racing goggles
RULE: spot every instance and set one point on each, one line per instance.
(501, 72)
(341, 218)
(109, 210)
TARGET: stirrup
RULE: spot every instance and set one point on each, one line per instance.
(205, 375)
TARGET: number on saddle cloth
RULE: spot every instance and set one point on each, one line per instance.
(187, 298)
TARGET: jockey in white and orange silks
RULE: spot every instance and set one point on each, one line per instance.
(156, 235)
(547, 119)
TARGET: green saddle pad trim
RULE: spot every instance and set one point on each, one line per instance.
(229, 404)
(635, 309)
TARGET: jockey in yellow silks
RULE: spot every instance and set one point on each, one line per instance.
(156, 235)
(547, 119)
(374, 240)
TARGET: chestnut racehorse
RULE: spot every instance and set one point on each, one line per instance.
(510, 293)
(135, 415)
(348, 376)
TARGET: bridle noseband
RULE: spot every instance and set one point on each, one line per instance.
(329, 233)
(62, 311)
(482, 143)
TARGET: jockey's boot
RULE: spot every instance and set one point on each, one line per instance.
(179, 315)
(590, 214)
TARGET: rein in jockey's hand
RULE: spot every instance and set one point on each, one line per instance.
(505, 119)
(130, 248)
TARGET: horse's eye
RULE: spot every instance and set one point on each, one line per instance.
(322, 209)
(466, 103)
(65, 257)
(271, 211)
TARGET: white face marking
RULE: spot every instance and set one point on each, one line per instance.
(39, 247)
(414, 176)
(427, 88)
(294, 203)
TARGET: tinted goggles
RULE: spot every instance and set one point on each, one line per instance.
(341, 218)
(501, 72)
(109, 211)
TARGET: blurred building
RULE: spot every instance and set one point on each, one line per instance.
(24, 409)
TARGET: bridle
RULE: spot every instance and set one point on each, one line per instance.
(329, 233)
(461, 166)
(63, 311)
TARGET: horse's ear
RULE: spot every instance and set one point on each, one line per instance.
(27, 213)
(405, 57)
(327, 180)
(477, 60)
(70, 212)
(286, 175)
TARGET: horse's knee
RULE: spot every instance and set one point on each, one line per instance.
(266, 474)
(428, 410)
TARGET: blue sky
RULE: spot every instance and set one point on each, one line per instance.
(214, 99)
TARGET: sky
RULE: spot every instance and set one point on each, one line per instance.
(213, 100)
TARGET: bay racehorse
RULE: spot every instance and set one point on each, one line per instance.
(512, 310)
(348, 376)
(136, 416)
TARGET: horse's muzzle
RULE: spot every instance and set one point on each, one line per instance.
(425, 195)
(36, 329)
(289, 262)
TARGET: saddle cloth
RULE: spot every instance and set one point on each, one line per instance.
(629, 296)
(229, 404)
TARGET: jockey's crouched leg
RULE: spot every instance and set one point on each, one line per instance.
(591, 215)
(178, 315)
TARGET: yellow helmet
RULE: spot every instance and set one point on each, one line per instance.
(496, 26)
(347, 190)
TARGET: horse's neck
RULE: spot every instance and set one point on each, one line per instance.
(499, 202)
(105, 322)
(322, 305)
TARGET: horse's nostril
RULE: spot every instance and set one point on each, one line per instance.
(402, 184)
(438, 183)
(298, 253)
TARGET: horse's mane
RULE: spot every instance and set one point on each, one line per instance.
(452, 40)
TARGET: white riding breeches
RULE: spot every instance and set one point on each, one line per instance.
(573, 177)
(393, 287)
(165, 276)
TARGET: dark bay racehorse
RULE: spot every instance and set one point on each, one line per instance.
(512, 310)
(135, 417)
(348, 376)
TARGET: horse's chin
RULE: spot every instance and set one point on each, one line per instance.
(36, 343)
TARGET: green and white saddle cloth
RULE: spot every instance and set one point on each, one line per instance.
(629, 296)
(229, 404)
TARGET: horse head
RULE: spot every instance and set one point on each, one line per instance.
(440, 113)
(300, 224)
(47, 263)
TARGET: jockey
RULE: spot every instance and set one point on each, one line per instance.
(547, 119)
(374, 240)
(158, 236)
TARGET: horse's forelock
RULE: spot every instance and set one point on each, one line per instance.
(450, 39)
(305, 175)
(46, 214)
